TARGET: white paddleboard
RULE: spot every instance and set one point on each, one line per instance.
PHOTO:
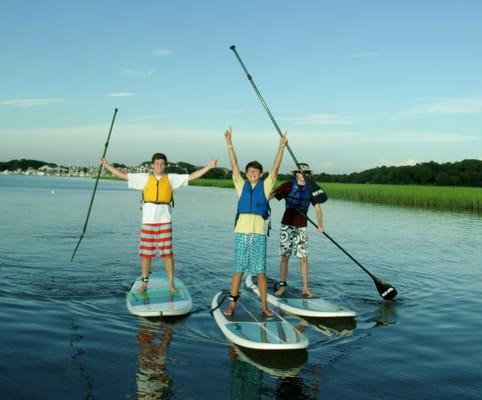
(295, 303)
(157, 300)
(249, 328)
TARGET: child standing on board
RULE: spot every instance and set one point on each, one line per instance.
(156, 231)
(293, 231)
(250, 230)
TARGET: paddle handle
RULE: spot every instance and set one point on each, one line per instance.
(95, 187)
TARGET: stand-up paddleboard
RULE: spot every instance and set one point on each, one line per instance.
(157, 300)
(249, 328)
(295, 303)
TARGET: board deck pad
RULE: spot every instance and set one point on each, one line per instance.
(248, 327)
(294, 302)
(157, 300)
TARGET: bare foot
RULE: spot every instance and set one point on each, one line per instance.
(230, 309)
(172, 289)
(280, 292)
(308, 293)
(267, 312)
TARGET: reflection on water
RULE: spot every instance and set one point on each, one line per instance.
(152, 380)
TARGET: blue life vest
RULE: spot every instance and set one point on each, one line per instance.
(299, 197)
(253, 200)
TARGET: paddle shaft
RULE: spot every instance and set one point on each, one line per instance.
(95, 187)
(261, 99)
(336, 244)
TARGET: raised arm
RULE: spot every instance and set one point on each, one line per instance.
(200, 172)
(113, 170)
(232, 155)
(279, 156)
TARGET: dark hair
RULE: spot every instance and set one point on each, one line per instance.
(254, 164)
(158, 156)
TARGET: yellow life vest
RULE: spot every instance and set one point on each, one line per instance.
(157, 191)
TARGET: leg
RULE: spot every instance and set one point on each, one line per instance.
(235, 285)
(169, 266)
(304, 276)
(262, 286)
(283, 275)
(285, 250)
(145, 268)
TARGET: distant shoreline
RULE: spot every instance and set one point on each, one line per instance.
(452, 198)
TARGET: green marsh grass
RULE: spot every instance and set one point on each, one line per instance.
(417, 196)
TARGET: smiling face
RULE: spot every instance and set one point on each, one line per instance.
(158, 167)
(253, 175)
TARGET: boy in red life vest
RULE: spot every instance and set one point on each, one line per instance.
(250, 230)
(293, 231)
(156, 231)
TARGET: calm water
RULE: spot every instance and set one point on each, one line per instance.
(66, 332)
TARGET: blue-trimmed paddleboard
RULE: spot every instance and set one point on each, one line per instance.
(157, 300)
(294, 303)
(249, 328)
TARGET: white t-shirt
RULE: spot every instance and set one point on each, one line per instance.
(156, 213)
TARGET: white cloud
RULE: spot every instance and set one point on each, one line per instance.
(139, 73)
(26, 103)
(363, 54)
(449, 106)
(121, 94)
(320, 119)
(161, 52)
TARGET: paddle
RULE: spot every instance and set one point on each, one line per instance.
(95, 187)
(386, 290)
(317, 192)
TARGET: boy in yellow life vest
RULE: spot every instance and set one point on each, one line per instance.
(156, 231)
(250, 230)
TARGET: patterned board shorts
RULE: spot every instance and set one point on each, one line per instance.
(250, 253)
(293, 240)
(156, 238)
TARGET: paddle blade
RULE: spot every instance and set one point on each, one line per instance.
(387, 291)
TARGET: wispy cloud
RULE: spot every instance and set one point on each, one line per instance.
(140, 73)
(320, 119)
(449, 106)
(121, 94)
(363, 54)
(161, 52)
(26, 103)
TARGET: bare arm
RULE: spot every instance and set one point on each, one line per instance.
(113, 170)
(232, 155)
(319, 219)
(200, 172)
(279, 156)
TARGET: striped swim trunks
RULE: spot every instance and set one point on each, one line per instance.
(156, 239)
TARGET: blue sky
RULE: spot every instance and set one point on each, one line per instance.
(356, 84)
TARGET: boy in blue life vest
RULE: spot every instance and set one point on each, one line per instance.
(293, 231)
(156, 231)
(250, 230)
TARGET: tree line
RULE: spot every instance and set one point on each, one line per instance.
(461, 173)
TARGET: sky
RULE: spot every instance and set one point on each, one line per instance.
(356, 84)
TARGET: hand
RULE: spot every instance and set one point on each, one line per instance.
(227, 135)
(103, 161)
(212, 163)
(283, 140)
(320, 229)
